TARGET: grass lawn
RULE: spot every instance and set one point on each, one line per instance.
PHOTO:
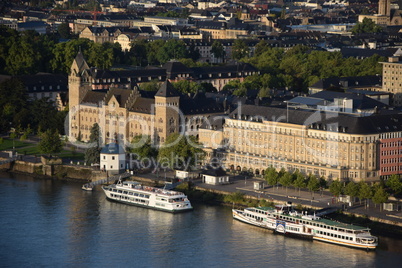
(71, 155)
(25, 148)
(8, 144)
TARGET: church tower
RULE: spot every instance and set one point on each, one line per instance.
(167, 114)
(384, 7)
(77, 88)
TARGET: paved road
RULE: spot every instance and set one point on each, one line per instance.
(305, 198)
(320, 200)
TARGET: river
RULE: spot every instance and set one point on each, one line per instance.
(51, 223)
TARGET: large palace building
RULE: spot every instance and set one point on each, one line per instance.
(123, 111)
(315, 136)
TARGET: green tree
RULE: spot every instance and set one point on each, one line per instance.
(260, 48)
(240, 49)
(394, 183)
(182, 152)
(286, 180)
(336, 188)
(380, 196)
(271, 176)
(12, 104)
(352, 189)
(323, 184)
(236, 198)
(366, 26)
(218, 50)
(232, 85)
(152, 51)
(186, 86)
(64, 53)
(100, 55)
(172, 49)
(299, 181)
(24, 55)
(241, 92)
(44, 115)
(139, 52)
(193, 52)
(50, 142)
(141, 146)
(92, 153)
(64, 30)
(365, 192)
(150, 86)
(313, 184)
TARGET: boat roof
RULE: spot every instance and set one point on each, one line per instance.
(320, 220)
(341, 225)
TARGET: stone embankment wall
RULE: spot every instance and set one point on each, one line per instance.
(54, 169)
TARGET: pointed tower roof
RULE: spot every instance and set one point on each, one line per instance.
(79, 63)
(167, 90)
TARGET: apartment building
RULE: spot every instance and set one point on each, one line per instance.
(333, 143)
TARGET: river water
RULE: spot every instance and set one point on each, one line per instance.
(50, 223)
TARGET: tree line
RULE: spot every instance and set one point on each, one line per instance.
(26, 115)
(297, 68)
(377, 192)
(300, 67)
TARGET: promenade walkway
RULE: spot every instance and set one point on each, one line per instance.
(320, 200)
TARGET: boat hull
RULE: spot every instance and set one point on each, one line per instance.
(296, 230)
(132, 193)
(346, 244)
(149, 207)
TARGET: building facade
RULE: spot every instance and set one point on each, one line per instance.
(334, 145)
(392, 79)
(123, 111)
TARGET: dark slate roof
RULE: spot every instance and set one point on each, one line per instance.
(173, 68)
(93, 96)
(44, 82)
(121, 94)
(365, 53)
(352, 81)
(199, 104)
(32, 24)
(216, 172)
(167, 90)
(112, 148)
(360, 101)
(214, 123)
(143, 105)
(80, 60)
(332, 122)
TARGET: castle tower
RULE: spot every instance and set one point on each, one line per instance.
(384, 7)
(167, 114)
(76, 92)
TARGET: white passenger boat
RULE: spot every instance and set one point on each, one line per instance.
(283, 219)
(133, 193)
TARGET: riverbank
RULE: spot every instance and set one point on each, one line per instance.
(197, 192)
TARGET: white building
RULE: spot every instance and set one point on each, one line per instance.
(215, 176)
(113, 158)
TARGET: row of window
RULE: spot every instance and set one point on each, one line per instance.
(335, 235)
(122, 197)
(131, 193)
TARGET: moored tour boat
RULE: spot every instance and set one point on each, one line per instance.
(133, 193)
(283, 219)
